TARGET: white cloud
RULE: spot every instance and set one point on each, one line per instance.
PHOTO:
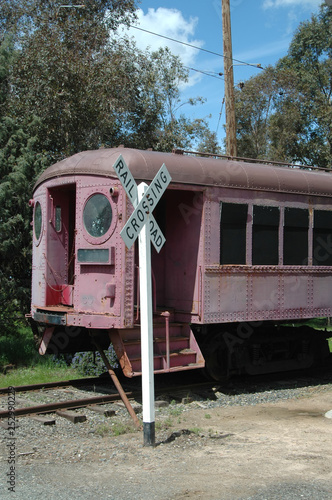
(169, 23)
(267, 4)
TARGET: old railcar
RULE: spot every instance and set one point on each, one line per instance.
(248, 248)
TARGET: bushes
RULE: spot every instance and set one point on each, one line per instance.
(91, 363)
(18, 349)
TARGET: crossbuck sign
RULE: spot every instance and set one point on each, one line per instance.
(142, 224)
(143, 208)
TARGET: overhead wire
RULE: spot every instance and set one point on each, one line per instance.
(195, 47)
(207, 73)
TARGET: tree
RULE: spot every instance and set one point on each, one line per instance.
(254, 104)
(285, 113)
(19, 165)
(67, 85)
(63, 72)
(310, 59)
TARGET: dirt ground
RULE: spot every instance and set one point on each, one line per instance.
(269, 451)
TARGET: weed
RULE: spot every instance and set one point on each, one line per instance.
(176, 411)
(196, 430)
(207, 415)
(103, 430)
(166, 424)
(119, 428)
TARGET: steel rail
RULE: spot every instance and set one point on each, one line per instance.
(52, 385)
(70, 404)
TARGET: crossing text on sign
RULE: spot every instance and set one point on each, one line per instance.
(141, 214)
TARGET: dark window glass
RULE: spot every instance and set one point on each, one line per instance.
(322, 238)
(91, 255)
(97, 215)
(233, 233)
(265, 231)
(296, 226)
(38, 220)
(58, 222)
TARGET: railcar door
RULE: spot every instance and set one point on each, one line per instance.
(60, 263)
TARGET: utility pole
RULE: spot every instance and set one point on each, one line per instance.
(229, 80)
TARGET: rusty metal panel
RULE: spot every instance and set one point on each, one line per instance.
(194, 171)
(94, 280)
(321, 292)
(38, 255)
(245, 293)
(295, 296)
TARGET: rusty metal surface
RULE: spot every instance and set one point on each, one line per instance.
(195, 171)
(118, 386)
(51, 407)
(51, 385)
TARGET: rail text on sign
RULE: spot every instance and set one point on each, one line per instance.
(126, 179)
(143, 210)
(150, 199)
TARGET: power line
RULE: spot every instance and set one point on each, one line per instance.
(194, 46)
(207, 73)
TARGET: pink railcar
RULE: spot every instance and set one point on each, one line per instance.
(248, 247)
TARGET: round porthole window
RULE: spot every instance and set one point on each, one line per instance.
(38, 220)
(97, 215)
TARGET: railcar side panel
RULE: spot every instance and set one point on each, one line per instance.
(258, 284)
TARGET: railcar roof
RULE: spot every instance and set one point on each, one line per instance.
(194, 170)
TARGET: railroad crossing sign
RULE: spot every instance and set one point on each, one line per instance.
(142, 224)
(143, 208)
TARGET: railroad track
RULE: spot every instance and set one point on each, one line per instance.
(24, 407)
(108, 395)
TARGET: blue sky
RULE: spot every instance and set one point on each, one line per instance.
(261, 33)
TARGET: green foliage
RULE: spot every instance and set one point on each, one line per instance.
(18, 349)
(310, 59)
(285, 113)
(19, 164)
(42, 372)
(114, 429)
(91, 363)
(69, 82)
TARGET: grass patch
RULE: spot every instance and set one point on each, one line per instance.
(38, 374)
(114, 429)
(103, 430)
(196, 430)
(20, 350)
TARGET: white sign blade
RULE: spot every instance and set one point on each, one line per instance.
(126, 179)
(148, 202)
(156, 236)
(135, 223)
(157, 187)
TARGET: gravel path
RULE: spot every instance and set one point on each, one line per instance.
(246, 442)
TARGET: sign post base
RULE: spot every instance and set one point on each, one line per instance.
(149, 434)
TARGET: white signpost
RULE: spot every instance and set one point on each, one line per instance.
(142, 224)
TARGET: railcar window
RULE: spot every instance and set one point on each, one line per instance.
(233, 233)
(38, 220)
(322, 238)
(265, 232)
(100, 255)
(296, 226)
(97, 215)
(58, 224)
